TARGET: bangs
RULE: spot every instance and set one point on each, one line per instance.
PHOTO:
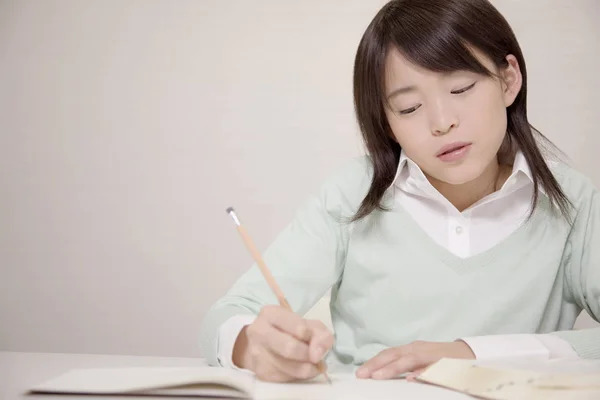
(432, 38)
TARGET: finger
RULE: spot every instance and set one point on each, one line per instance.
(263, 368)
(295, 370)
(283, 344)
(267, 372)
(382, 359)
(321, 341)
(271, 367)
(287, 321)
(404, 364)
(412, 377)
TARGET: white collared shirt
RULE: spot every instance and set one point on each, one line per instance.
(475, 230)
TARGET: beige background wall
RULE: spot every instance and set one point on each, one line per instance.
(127, 127)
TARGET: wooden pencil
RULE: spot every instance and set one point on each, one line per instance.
(267, 274)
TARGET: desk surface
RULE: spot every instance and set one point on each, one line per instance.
(20, 371)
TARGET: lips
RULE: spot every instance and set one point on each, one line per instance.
(454, 152)
(452, 147)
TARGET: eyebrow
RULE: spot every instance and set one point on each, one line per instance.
(402, 90)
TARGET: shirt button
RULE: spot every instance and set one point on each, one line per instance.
(459, 230)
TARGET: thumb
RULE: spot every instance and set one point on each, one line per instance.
(321, 341)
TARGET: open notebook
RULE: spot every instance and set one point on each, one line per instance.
(174, 381)
(548, 382)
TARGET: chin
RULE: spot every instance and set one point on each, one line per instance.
(458, 177)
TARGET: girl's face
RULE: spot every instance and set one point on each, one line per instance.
(451, 124)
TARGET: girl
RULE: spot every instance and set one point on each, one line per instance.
(454, 237)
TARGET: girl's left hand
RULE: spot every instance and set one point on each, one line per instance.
(412, 358)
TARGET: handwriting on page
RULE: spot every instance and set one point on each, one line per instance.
(498, 383)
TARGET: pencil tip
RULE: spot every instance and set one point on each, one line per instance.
(229, 210)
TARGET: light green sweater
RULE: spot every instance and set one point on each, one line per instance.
(392, 284)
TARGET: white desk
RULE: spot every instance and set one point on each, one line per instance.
(20, 371)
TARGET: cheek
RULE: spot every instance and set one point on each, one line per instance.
(496, 124)
(487, 119)
(410, 133)
(490, 106)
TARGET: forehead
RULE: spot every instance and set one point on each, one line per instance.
(400, 70)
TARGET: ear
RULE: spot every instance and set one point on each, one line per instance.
(512, 80)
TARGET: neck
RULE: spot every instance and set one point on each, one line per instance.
(465, 195)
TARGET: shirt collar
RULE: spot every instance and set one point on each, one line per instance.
(409, 171)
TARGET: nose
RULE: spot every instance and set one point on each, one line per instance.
(443, 118)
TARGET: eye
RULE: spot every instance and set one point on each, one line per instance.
(459, 91)
(409, 110)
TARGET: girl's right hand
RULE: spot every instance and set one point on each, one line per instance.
(281, 346)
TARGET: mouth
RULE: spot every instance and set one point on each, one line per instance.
(453, 151)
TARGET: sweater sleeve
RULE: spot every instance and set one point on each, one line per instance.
(306, 259)
(583, 273)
